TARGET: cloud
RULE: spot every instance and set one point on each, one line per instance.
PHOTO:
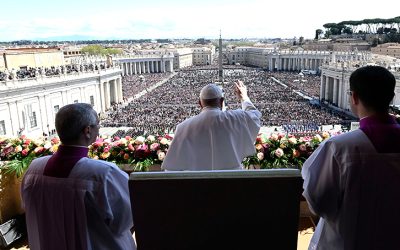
(178, 19)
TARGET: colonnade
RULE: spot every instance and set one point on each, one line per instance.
(110, 92)
(294, 63)
(142, 66)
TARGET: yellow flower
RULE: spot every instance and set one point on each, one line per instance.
(105, 155)
(325, 135)
(54, 148)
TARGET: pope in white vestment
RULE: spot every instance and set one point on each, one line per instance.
(215, 139)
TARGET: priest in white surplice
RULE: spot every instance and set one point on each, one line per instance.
(215, 139)
(73, 202)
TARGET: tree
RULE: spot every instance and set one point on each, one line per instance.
(347, 30)
(328, 33)
(100, 50)
(318, 33)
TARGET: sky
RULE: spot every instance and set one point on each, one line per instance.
(132, 19)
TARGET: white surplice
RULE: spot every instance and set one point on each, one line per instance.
(356, 191)
(88, 210)
(214, 139)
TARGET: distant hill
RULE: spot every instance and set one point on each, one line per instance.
(68, 38)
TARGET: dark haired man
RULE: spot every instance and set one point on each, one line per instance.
(352, 181)
(73, 202)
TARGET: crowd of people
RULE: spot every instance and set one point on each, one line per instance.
(177, 99)
(33, 72)
(306, 84)
(134, 84)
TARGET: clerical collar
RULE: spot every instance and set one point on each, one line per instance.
(210, 108)
(383, 132)
(376, 120)
(63, 161)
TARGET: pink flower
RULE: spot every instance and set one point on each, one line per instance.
(24, 152)
(131, 147)
(106, 149)
(128, 137)
(302, 147)
(279, 152)
(39, 150)
(55, 140)
(143, 147)
(154, 146)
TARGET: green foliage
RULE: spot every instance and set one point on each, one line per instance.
(373, 26)
(144, 165)
(18, 166)
(100, 50)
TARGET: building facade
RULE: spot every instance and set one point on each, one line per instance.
(29, 106)
(287, 60)
(335, 83)
(24, 58)
(202, 56)
(388, 49)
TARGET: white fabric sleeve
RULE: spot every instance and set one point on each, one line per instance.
(249, 107)
(321, 174)
(118, 201)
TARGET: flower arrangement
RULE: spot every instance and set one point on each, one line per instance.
(283, 151)
(272, 151)
(20, 152)
(140, 152)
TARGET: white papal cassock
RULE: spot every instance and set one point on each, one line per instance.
(214, 139)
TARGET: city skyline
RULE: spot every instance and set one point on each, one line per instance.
(123, 19)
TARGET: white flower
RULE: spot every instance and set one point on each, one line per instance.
(325, 135)
(274, 137)
(260, 156)
(18, 149)
(123, 141)
(164, 141)
(139, 140)
(292, 140)
(38, 141)
(318, 137)
(161, 155)
(151, 138)
(47, 145)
